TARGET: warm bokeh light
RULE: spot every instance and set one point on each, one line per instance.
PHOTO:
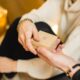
(3, 19)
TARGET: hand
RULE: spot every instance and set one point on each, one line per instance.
(7, 65)
(58, 60)
(26, 31)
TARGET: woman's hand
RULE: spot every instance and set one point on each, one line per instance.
(26, 31)
(56, 58)
(7, 65)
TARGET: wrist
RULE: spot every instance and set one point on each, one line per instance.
(72, 70)
(22, 22)
(69, 66)
(14, 66)
(22, 66)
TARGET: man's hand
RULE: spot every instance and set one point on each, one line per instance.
(26, 31)
(7, 65)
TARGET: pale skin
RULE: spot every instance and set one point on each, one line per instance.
(25, 32)
(58, 59)
(7, 65)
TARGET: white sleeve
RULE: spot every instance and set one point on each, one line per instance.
(72, 45)
(49, 11)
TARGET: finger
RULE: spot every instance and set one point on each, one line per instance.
(45, 52)
(62, 45)
(56, 45)
(30, 46)
(22, 44)
(26, 48)
(54, 51)
(59, 49)
(35, 34)
(21, 39)
(44, 58)
(27, 36)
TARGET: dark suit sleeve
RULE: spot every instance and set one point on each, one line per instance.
(76, 76)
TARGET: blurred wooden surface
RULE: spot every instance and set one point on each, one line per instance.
(18, 7)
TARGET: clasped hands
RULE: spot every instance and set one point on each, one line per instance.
(28, 31)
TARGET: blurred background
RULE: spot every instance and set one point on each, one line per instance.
(11, 9)
(18, 7)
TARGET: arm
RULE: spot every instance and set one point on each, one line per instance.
(7, 65)
(36, 68)
(61, 61)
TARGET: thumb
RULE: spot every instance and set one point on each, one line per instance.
(35, 34)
